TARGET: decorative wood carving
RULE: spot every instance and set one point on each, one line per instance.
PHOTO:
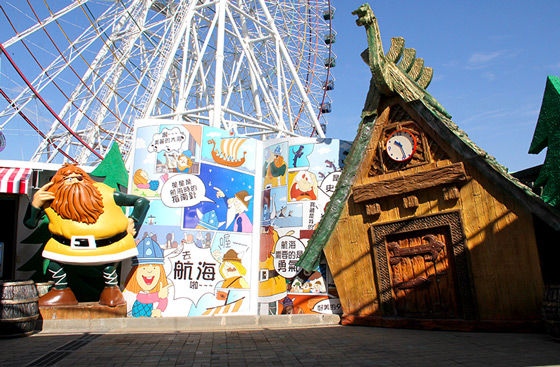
(373, 209)
(451, 193)
(418, 282)
(433, 248)
(452, 219)
(412, 182)
(411, 202)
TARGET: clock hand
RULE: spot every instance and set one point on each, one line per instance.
(402, 149)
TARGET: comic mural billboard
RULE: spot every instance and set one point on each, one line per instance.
(299, 177)
(229, 217)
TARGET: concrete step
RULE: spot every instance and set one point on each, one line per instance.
(173, 324)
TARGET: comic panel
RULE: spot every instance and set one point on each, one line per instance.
(275, 168)
(161, 151)
(222, 148)
(227, 203)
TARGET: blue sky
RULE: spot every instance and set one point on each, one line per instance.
(490, 60)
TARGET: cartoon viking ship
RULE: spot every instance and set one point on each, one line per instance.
(228, 154)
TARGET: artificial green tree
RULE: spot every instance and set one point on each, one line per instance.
(547, 135)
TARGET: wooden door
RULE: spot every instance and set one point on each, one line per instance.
(422, 273)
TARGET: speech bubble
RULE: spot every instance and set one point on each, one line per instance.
(168, 140)
(287, 252)
(328, 306)
(183, 190)
(194, 273)
(329, 183)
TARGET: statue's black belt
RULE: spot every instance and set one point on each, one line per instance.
(84, 241)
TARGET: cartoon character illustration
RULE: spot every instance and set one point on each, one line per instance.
(233, 271)
(88, 227)
(142, 181)
(228, 154)
(178, 162)
(184, 162)
(147, 279)
(170, 241)
(207, 242)
(208, 220)
(272, 286)
(188, 239)
(314, 283)
(288, 307)
(236, 212)
(170, 161)
(269, 208)
(304, 186)
(297, 154)
(198, 240)
(330, 164)
(275, 168)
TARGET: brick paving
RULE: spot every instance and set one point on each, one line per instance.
(312, 346)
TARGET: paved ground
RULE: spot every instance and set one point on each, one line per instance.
(312, 346)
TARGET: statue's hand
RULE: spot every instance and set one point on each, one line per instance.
(42, 196)
(131, 228)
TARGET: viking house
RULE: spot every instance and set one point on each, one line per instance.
(425, 229)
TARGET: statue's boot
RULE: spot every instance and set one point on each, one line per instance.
(58, 297)
(112, 297)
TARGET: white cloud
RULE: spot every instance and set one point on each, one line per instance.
(150, 159)
(324, 150)
(140, 143)
(484, 57)
(480, 60)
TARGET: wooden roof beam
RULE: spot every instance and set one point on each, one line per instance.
(452, 173)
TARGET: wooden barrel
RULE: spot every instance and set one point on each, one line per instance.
(19, 307)
(551, 310)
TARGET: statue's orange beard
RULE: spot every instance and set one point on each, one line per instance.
(80, 202)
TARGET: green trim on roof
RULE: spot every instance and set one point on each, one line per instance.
(312, 255)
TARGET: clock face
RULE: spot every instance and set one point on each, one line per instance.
(401, 145)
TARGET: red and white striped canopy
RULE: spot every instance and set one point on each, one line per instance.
(15, 180)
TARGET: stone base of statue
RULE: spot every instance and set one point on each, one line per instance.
(83, 310)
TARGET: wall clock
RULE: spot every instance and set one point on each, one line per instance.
(401, 145)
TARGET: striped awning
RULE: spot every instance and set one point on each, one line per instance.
(15, 180)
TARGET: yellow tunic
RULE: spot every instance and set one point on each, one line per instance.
(274, 288)
(110, 223)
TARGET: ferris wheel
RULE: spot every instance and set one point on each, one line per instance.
(76, 76)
